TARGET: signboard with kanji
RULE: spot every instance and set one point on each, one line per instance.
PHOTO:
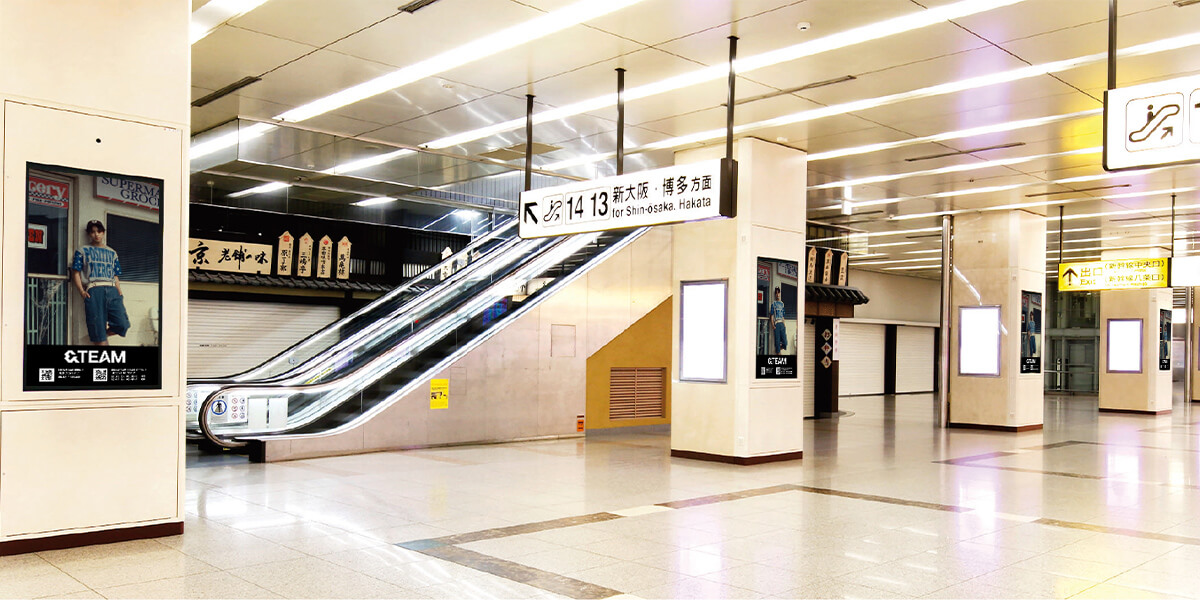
(325, 257)
(232, 257)
(691, 192)
(287, 245)
(304, 257)
(1122, 274)
(343, 258)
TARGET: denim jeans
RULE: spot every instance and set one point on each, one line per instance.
(105, 309)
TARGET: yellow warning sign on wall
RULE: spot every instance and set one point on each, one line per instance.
(1122, 274)
(439, 393)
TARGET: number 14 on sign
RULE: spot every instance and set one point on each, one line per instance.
(577, 207)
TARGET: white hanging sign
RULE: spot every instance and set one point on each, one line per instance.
(1152, 125)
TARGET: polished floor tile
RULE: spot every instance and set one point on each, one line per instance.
(883, 505)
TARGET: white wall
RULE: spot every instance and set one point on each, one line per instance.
(896, 298)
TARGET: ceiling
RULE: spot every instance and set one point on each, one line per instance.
(910, 93)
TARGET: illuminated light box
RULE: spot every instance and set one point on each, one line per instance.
(1124, 345)
(979, 341)
(702, 334)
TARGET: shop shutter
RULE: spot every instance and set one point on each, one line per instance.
(860, 367)
(227, 337)
(914, 359)
(636, 393)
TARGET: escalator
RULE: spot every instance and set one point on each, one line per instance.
(354, 382)
(312, 359)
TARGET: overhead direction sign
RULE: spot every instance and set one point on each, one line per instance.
(1152, 125)
(692, 192)
(1122, 274)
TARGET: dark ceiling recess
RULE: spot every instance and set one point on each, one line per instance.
(225, 91)
(961, 152)
(1091, 189)
(416, 5)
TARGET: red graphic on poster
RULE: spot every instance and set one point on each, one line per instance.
(48, 193)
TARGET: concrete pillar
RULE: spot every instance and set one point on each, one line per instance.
(997, 256)
(1193, 370)
(1148, 389)
(743, 420)
(95, 104)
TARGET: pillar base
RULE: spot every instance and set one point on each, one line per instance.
(1137, 412)
(1005, 428)
(90, 538)
(738, 460)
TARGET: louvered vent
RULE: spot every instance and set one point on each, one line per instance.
(636, 393)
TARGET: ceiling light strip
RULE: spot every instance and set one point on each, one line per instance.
(971, 83)
(1003, 162)
(836, 41)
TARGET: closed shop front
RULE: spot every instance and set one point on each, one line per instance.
(861, 366)
(227, 337)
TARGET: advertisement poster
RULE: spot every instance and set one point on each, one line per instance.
(1164, 340)
(1031, 332)
(93, 280)
(778, 307)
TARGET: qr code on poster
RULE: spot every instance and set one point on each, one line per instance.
(99, 374)
(46, 375)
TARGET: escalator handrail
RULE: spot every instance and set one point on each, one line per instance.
(527, 271)
(252, 373)
(531, 269)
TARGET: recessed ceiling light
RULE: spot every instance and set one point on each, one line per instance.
(803, 25)
(373, 201)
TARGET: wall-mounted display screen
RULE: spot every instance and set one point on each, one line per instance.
(702, 331)
(1031, 332)
(1124, 345)
(979, 341)
(93, 279)
(1164, 340)
(778, 309)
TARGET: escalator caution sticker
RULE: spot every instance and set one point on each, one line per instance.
(439, 394)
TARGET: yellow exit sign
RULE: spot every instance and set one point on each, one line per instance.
(1122, 274)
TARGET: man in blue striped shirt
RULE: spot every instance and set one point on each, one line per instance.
(96, 274)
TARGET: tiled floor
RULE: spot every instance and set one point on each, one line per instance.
(883, 505)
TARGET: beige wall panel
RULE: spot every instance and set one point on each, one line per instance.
(87, 468)
(896, 297)
(82, 45)
(608, 292)
(1150, 390)
(651, 271)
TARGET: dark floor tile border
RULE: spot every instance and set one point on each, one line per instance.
(544, 580)
(1024, 470)
(1145, 447)
(967, 461)
(1148, 535)
(500, 532)
(883, 499)
(715, 498)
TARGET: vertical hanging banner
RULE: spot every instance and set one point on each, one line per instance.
(304, 256)
(287, 244)
(810, 273)
(1164, 340)
(1031, 332)
(325, 257)
(343, 258)
(777, 319)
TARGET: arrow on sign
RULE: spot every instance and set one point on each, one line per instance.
(529, 214)
(1069, 275)
(1168, 131)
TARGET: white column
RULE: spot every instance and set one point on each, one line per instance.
(743, 420)
(1148, 389)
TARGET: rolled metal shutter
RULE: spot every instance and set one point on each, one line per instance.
(227, 337)
(914, 359)
(861, 361)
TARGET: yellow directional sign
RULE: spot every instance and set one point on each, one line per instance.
(1122, 274)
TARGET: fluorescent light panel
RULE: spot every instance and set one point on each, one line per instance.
(262, 189)
(373, 201)
(207, 18)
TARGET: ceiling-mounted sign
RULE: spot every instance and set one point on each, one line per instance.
(1122, 274)
(1185, 271)
(1152, 125)
(691, 192)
